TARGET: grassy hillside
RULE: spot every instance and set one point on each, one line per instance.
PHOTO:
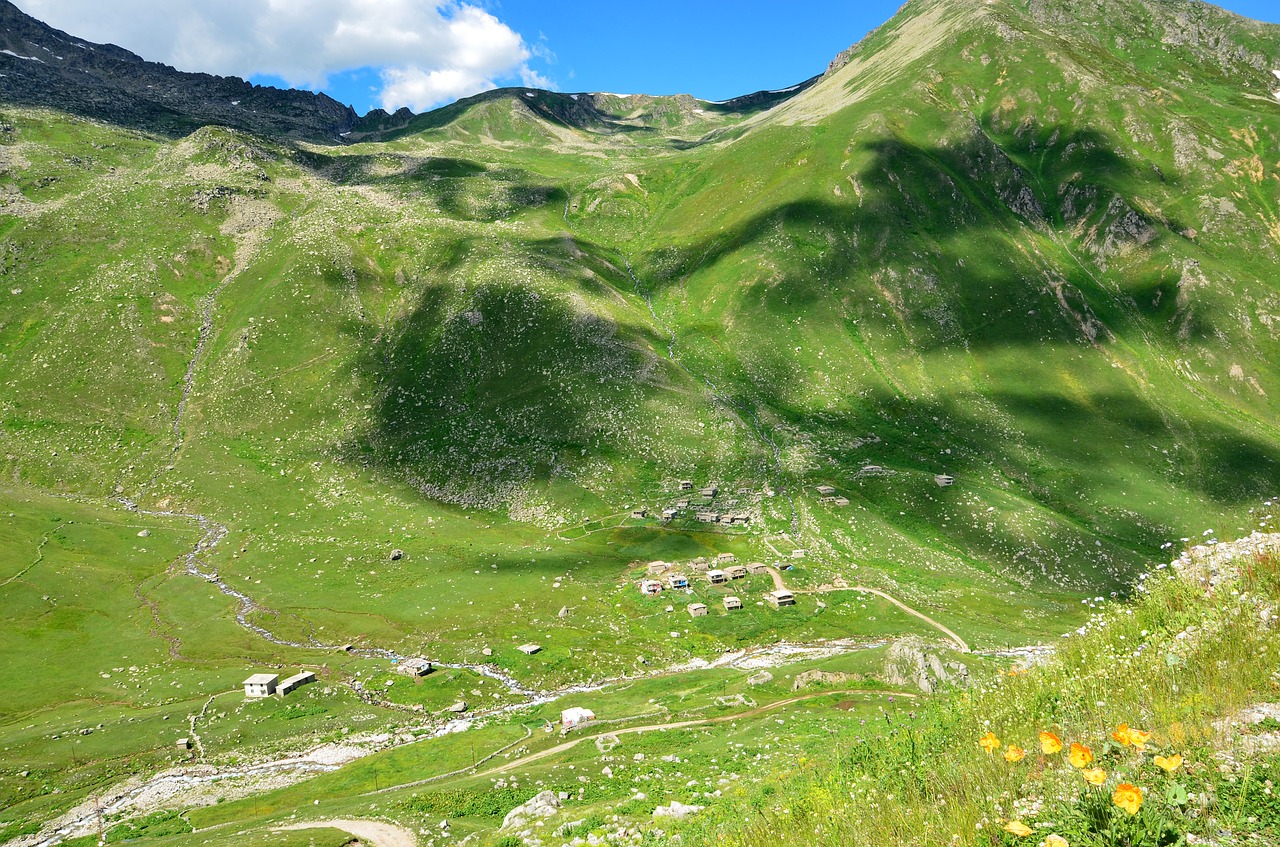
(1028, 246)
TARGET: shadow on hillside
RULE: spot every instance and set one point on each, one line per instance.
(954, 246)
(463, 189)
(485, 388)
(951, 255)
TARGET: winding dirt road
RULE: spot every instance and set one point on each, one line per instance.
(635, 730)
(375, 833)
(960, 643)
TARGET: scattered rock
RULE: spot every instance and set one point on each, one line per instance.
(458, 707)
(760, 678)
(676, 810)
(544, 805)
(397, 555)
(146, 533)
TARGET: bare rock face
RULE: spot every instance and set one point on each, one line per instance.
(44, 67)
(911, 662)
(543, 805)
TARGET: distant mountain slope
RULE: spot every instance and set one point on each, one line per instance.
(42, 66)
(1029, 246)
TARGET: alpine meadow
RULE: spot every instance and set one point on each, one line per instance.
(888, 459)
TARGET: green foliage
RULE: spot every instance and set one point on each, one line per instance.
(154, 825)
(465, 802)
(584, 827)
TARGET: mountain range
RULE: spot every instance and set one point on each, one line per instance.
(984, 316)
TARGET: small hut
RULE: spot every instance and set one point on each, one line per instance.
(778, 599)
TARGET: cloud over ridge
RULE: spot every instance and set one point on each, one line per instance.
(426, 51)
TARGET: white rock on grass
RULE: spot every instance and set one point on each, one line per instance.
(676, 810)
(543, 805)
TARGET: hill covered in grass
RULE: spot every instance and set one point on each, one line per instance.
(1000, 282)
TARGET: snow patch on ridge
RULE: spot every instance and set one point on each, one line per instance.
(26, 58)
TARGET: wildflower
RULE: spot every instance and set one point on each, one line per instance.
(1055, 841)
(1095, 776)
(989, 742)
(1131, 737)
(1050, 743)
(1014, 753)
(1168, 764)
(1128, 797)
(1080, 755)
(1017, 828)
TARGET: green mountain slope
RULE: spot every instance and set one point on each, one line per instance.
(1026, 245)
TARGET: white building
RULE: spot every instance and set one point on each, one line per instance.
(576, 716)
(297, 681)
(261, 685)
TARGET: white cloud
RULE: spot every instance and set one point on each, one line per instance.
(428, 51)
(420, 90)
(532, 79)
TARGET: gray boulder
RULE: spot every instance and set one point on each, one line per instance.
(543, 805)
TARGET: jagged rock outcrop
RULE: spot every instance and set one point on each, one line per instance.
(912, 662)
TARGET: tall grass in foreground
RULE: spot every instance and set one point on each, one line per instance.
(1176, 661)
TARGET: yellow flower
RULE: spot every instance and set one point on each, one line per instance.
(1095, 776)
(1168, 764)
(1131, 737)
(1050, 743)
(1128, 797)
(989, 742)
(1014, 753)
(1018, 828)
(1055, 841)
(1080, 755)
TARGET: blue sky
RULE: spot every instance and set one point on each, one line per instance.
(423, 53)
(709, 48)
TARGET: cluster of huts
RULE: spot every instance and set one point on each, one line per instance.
(721, 570)
(703, 513)
(827, 494)
(266, 684)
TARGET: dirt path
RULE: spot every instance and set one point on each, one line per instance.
(960, 643)
(751, 713)
(376, 833)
